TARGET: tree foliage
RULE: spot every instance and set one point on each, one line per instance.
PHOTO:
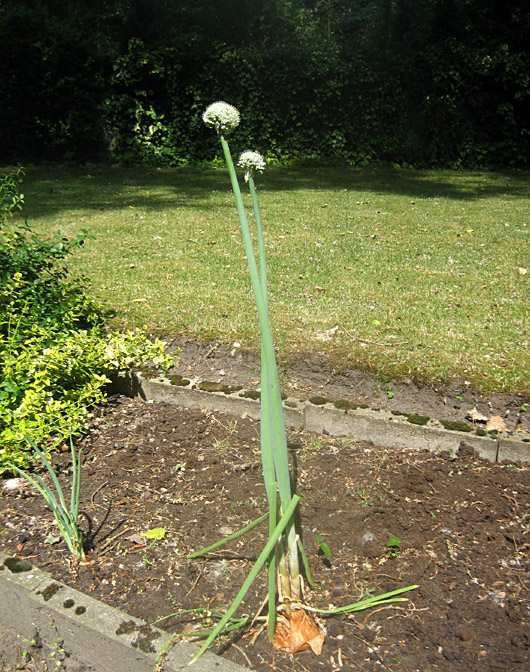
(441, 82)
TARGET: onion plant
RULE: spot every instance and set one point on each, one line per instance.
(294, 629)
(66, 517)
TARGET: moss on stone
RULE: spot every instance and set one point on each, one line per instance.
(210, 386)
(230, 389)
(344, 405)
(318, 401)
(417, 419)
(178, 380)
(50, 591)
(18, 565)
(250, 394)
(147, 372)
(456, 426)
(126, 627)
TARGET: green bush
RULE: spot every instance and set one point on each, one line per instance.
(56, 355)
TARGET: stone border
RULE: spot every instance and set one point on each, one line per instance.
(95, 636)
(384, 428)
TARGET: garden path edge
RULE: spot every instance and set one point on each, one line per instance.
(94, 636)
(385, 428)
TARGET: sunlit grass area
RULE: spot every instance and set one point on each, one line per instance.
(422, 272)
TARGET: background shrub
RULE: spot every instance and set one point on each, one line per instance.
(434, 83)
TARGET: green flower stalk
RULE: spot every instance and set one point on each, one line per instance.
(273, 437)
(293, 629)
(284, 548)
(224, 118)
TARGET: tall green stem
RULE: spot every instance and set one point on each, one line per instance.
(274, 446)
(271, 434)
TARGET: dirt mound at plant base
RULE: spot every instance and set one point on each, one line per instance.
(462, 525)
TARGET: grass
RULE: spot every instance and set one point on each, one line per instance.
(419, 270)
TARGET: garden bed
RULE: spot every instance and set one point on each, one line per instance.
(197, 475)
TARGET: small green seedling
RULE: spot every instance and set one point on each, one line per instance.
(66, 517)
(315, 444)
(393, 546)
(323, 548)
(30, 644)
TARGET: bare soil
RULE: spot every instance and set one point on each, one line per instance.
(464, 526)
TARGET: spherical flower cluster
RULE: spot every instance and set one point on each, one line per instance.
(251, 161)
(221, 116)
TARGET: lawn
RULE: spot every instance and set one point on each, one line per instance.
(424, 273)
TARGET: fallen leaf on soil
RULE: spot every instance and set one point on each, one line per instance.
(476, 416)
(298, 632)
(136, 539)
(496, 423)
(154, 533)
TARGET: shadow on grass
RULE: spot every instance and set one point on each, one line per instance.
(461, 185)
(54, 189)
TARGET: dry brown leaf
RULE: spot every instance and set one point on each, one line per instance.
(476, 416)
(298, 632)
(496, 423)
(522, 271)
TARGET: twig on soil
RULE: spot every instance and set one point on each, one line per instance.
(375, 611)
(238, 648)
(258, 612)
(107, 545)
(523, 584)
(296, 661)
(92, 503)
(352, 661)
(214, 347)
(195, 583)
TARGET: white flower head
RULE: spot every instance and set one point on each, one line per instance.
(251, 161)
(221, 116)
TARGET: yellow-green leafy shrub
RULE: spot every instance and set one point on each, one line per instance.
(56, 354)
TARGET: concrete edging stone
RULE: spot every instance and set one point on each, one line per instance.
(96, 636)
(381, 427)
